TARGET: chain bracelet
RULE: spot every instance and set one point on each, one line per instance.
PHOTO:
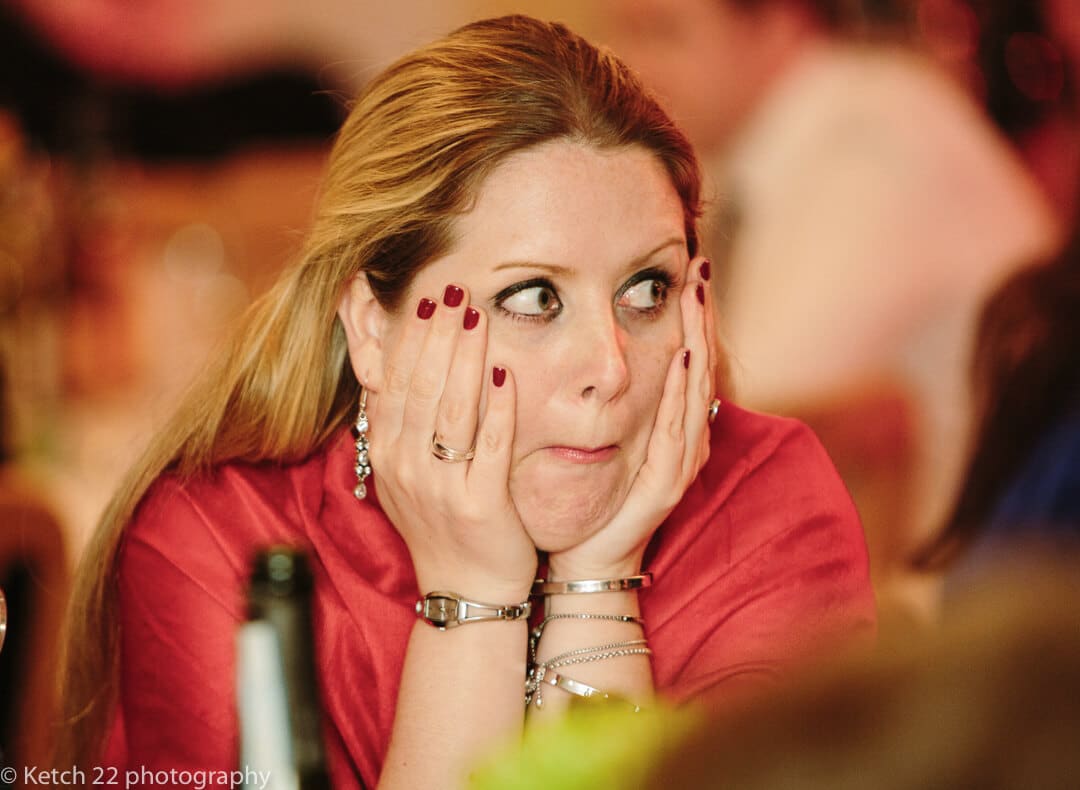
(559, 660)
(536, 633)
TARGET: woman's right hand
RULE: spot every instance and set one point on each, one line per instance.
(457, 518)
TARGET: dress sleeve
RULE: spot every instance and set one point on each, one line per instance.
(180, 601)
(782, 578)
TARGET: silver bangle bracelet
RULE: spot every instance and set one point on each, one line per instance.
(578, 689)
(538, 672)
(544, 587)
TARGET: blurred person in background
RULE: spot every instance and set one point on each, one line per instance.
(502, 293)
(863, 209)
(1021, 59)
(990, 700)
(1022, 488)
(34, 573)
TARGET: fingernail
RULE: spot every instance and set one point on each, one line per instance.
(701, 293)
(452, 296)
(498, 376)
(706, 269)
(472, 318)
(686, 359)
(425, 309)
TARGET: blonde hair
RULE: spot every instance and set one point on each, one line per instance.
(416, 145)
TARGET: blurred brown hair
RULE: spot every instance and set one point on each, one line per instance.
(1026, 378)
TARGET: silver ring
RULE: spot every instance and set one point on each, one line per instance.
(714, 409)
(449, 454)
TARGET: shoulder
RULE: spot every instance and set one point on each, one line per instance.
(763, 564)
(756, 455)
(768, 478)
(214, 522)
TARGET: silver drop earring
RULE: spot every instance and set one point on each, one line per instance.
(363, 466)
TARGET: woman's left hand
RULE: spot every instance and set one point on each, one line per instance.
(678, 448)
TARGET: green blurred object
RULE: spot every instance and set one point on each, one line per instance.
(596, 745)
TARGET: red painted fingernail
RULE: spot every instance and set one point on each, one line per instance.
(452, 296)
(425, 309)
(686, 358)
(472, 318)
(498, 376)
(706, 269)
(701, 293)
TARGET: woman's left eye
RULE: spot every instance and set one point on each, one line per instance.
(644, 294)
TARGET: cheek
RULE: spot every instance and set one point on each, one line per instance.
(649, 371)
(534, 367)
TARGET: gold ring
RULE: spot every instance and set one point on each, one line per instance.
(449, 454)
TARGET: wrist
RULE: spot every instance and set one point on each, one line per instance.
(597, 603)
(477, 587)
(562, 567)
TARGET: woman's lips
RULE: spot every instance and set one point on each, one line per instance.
(584, 455)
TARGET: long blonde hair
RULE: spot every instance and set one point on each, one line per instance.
(416, 145)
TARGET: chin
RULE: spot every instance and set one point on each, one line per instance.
(558, 517)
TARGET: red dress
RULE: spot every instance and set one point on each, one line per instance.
(763, 562)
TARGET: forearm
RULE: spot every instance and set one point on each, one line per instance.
(611, 631)
(461, 692)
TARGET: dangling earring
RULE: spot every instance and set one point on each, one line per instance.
(363, 467)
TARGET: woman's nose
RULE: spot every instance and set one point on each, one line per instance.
(601, 348)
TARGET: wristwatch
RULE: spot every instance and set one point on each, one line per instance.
(449, 610)
(3, 618)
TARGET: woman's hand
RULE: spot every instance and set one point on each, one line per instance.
(678, 448)
(457, 518)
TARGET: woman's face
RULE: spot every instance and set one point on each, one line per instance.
(577, 255)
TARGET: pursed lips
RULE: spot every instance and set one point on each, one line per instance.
(583, 455)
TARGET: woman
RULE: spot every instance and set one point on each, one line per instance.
(503, 274)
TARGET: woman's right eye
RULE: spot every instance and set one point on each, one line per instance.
(533, 301)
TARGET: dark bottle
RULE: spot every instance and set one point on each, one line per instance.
(280, 714)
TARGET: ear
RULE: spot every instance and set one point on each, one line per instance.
(365, 322)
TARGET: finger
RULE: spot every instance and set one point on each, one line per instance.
(712, 340)
(490, 469)
(432, 369)
(695, 307)
(650, 498)
(399, 370)
(668, 434)
(458, 413)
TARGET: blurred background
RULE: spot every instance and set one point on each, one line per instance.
(875, 172)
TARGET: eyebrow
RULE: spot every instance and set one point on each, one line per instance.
(566, 270)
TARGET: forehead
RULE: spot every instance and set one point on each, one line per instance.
(571, 203)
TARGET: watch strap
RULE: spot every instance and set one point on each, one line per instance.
(448, 610)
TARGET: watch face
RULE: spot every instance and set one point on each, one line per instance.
(440, 610)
